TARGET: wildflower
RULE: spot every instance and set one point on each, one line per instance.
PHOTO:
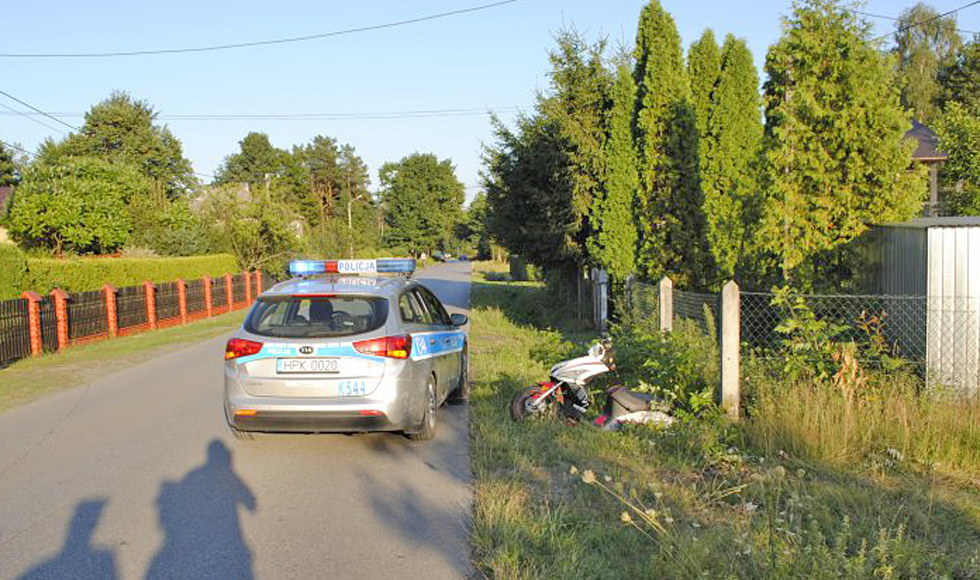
(749, 507)
(800, 473)
(607, 478)
(695, 525)
(588, 476)
(650, 512)
(779, 472)
(658, 495)
(669, 520)
(625, 517)
(573, 470)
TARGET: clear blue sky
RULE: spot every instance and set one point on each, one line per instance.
(490, 59)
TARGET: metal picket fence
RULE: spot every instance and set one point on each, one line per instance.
(49, 325)
(131, 306)
(195, 297)
(238, 288)
(218, 297)
(86, 315)
(15, 332)
(167, 300)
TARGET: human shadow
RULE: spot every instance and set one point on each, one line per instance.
(200, 519)
(78, 558)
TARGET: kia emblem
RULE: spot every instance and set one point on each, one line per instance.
(306, 350)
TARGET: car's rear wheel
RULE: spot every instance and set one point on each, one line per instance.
(462, 393)
(427, 430)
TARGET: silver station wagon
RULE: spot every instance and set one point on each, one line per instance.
(345, 346)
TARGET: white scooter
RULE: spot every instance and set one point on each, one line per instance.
(567, 393)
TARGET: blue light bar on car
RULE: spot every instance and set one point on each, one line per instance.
(380, 266)
(307, 267)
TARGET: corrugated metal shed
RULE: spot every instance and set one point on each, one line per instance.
(938, 258)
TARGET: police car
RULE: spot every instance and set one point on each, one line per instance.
(346, 345)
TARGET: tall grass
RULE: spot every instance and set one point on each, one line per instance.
(888, 419)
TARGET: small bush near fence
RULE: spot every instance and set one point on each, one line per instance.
(82, 274)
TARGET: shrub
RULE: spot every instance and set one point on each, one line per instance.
(13, 271)
(81, 274)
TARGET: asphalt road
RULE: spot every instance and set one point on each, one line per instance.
(136, 476)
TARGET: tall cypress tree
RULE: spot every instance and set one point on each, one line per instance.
(703, 68)
(670, 219)
(729, 153)
(613, 246)
(835, 152)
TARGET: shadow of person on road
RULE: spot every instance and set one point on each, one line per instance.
(200, 521)
(78, 558)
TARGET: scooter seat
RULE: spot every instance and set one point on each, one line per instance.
(625, 400)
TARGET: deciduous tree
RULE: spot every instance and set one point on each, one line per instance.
(423, 201)
(958, 130)
(924, 43)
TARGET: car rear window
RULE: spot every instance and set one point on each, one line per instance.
(316, 316)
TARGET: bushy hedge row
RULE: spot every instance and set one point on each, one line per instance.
(81, 274)
(13, 271)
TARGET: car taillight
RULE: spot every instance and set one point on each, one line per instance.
(389, 346)
(237, 347)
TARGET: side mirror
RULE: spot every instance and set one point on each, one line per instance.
(458, 319)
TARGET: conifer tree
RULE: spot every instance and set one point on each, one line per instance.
(835, 152)
(730, 150)
(703, 68)
(613, 246)
(670, 220)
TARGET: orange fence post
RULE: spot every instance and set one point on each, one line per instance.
(61, 313)
(229, 297)
(208, 305)
(182, 299)
(151, 304)
(34, 321)
(248, 287)
(111, 316)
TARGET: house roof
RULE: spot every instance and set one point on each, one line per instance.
(928, 144)
(5, 192)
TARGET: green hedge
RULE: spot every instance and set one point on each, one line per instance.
(13, 271)
(81, 274)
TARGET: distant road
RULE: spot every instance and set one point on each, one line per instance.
(136, 476)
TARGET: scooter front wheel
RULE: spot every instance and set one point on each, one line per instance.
(522, 405)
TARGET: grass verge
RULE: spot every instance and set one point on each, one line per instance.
(704, 499)
(29, 379)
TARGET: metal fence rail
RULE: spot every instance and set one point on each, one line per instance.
(131, 306)
(218, 298)
(49, 325)
(238, 288)
(15, 332)
(167, 300)
(86, 314)
(195, 296)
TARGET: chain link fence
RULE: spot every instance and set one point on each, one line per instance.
(937, 337)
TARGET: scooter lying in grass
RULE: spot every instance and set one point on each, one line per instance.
(567, 394)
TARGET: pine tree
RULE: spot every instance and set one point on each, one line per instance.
(670, 220)
(613, 246)
(835, 152)
(703, 68)
(729, 153)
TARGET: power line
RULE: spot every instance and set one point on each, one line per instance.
(30, 117)
(893, 18)
(427, 113)
(53, 118)
(926, 21)
(17, 147)
(259, 42)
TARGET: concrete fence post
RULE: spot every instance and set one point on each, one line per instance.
(666, 304)
(208, 302)
(248, 287)
(151, 304)
(111, 310)
(229, 296)
(61, 313)
(34, 321)
(182, 299)
(730, 340)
